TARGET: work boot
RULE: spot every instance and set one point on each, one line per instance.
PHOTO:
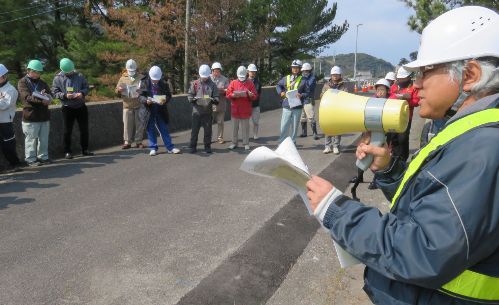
(372, 185)
(304, 127)
(314, 130)
(354, 179)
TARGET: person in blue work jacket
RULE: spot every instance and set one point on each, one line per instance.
(153, 111)
(308, 112)
(439, 244)
(71, 88)
(291, 113)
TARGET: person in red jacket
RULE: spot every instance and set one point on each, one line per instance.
(242, 93)
(399, 142)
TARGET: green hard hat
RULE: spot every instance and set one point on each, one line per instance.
(35, 65)
(67, 65)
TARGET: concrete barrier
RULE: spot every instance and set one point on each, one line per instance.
(106, 123)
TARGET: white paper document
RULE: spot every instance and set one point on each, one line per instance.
(240, 93)
(159, 99)
(283, 164)
(286, 165)
(203, 101)
(130, 91)
(346, 260)
(46, 97)
(292, 99)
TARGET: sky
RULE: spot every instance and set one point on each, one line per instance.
(384, 32)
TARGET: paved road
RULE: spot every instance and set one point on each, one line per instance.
(123, 227)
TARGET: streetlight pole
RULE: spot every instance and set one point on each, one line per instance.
(355, 65)
(187, 32)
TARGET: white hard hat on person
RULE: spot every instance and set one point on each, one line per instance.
(462, 33)
(383, 82)
(216, 65)
(241, 73)
(3, 70)
(296, 63)
(391, 76)
(155, 73)
(252, 67)
(306, 67)
(403, 73)
(131, 65)
(335, 70)
(204, 71)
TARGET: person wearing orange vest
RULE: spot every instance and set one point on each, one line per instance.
(405, 91)
(439, 244)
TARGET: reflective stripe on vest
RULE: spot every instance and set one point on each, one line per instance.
(289, 82)
(468, 285)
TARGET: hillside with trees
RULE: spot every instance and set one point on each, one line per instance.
(365, 62)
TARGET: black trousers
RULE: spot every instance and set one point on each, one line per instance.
(400, 143)
(8, 144)
(199, 120)
(69, 115)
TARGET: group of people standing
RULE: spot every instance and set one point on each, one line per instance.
(69, 86)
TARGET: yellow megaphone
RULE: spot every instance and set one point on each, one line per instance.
(341, 112)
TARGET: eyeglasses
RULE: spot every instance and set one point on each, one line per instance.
(426, 69)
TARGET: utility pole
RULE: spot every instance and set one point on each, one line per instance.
(187, 32)
(355, 64)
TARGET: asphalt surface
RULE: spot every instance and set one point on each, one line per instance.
(124, 227)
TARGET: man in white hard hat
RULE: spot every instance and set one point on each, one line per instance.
(308, 103)
(128, 90)
(255, 105)
(154, 94)
(336, 82)
(291, 112)
(404, 90)
(8, 98)
(219, 110)
(203, 94)
(242, 93)
(439, 244)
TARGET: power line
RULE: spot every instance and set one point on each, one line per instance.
(56, 9)
(27, 8)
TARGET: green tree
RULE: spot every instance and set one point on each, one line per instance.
(414, 55)
(403, 61)
(428, 10)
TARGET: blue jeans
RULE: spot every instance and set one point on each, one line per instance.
(289, 116)
(154, 120)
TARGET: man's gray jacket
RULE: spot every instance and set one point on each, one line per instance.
(76, 81)
(445, 222)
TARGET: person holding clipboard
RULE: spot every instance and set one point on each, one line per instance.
(242, 93)
(292, 88)
(71, 87)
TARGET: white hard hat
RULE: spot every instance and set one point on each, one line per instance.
(131, 65)
(462, 33)
(403, 73)
(252, 67)
(241, 73)
(216, 65)
(155, 73)
(390, 76)
(204, 71)
(306, 67)
(3, 70)
(383, 82)
(296, 63)
(335, 70)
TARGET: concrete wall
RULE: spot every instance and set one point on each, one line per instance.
(106, 123)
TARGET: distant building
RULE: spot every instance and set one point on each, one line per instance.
(362, 75)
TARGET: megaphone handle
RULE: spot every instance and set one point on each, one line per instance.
(378, 138)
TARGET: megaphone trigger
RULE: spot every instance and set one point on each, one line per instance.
(378, 138)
